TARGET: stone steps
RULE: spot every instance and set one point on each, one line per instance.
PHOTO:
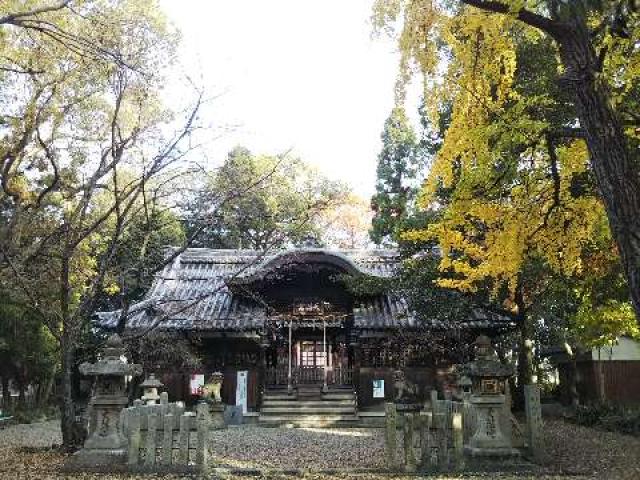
(323, 420)
(298, 409)
(308, 406)
(310, 403)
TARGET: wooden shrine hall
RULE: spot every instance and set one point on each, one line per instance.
(286, 324)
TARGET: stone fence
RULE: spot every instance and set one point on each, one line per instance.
(437, 436)
(433, 440)
(167, 438)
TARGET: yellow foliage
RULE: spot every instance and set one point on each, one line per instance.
(502, 208)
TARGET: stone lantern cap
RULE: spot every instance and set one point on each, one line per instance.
(486, 364)
(464, 381)
(111, 363)
(152, 382)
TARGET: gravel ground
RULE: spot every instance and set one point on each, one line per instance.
(36, 435)
(287, 448)
(573, 451)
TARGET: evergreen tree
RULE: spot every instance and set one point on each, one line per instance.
(398, 166)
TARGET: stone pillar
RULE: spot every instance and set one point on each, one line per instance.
(534, 422)
(390, 437)
(426, 441)
(202, 447)
(458, 440)
(408, 438)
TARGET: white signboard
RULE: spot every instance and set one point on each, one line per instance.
(241, 390)
(196, 384)
(378, 389)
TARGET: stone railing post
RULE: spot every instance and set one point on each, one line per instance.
(150, 451)
(167, 439)
(409, 452)
(426, 443)
(133, 432)
(390, 437)
(458, 440)
(202, 424)
(534, 422)
(183, 453)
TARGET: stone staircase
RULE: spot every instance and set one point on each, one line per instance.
(309, 407)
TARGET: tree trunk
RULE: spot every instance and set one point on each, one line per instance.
(44, 392)
(22, 404)
(525, 360)
(616, 170)
(525, 349)
(67, 349)
(68, 414)
(572, 387)
(602, 392)
(6, 394)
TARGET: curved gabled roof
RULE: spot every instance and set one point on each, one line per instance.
(192, 292)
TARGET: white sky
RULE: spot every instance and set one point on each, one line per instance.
(293, 74)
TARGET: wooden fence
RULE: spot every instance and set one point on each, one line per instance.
(167, 438)
(306, 375)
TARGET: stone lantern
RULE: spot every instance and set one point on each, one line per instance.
(150, 388)
(488, 377)
(106, 443)
(464, 385)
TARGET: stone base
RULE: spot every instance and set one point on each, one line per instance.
(94, 459)
(500, 452)
(216, 411)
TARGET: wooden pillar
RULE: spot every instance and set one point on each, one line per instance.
(289, 373)
(357, 358)
(262, 370)
(326, 356)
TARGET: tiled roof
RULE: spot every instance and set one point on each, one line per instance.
(192, 293)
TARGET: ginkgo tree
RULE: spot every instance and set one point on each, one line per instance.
(467, 53)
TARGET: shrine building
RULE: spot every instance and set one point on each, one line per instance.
(287, 326)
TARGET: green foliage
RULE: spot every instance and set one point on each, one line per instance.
(365, 285)
(163, 352)
(263, 201)
(28, 351)
(141, 252)
(35, 414)
(397, 171)
(613, 418)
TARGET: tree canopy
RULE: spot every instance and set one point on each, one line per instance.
(542, 97)
(272, 201)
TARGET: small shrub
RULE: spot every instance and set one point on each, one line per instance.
(609, 417)
(31, 415)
